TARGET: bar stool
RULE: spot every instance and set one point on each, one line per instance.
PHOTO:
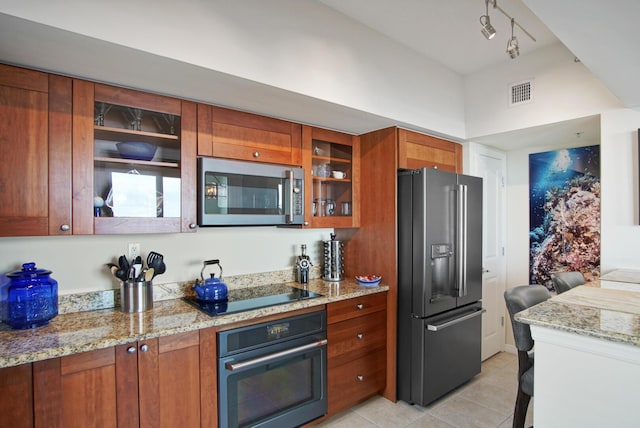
(565, 281)
(518, 299)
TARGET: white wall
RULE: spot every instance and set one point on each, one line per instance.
(562, 90)
(300, 46)
(78, 262)
(620, 230)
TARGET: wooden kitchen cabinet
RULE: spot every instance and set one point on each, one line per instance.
(331, 202)
(16, 390)
(356, 350)
(167, 381)
(35, 141)
(417, 150)
(234, 134)
(141, 196)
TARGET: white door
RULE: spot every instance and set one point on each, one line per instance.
(491, 166)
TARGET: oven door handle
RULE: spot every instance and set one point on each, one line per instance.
(266, 358)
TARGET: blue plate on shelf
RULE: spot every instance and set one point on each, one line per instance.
(368, 280)
(136, 150)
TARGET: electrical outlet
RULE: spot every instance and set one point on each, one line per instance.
(134, 250)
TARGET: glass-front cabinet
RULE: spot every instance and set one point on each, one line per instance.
(140, 153)
(332, 188)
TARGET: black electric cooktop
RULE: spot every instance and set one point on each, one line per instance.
(247, 299)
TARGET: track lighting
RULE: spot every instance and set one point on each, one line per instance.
(487, 29)
(513, 49)
(512, 45)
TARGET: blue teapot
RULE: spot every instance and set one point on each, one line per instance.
(211, 289)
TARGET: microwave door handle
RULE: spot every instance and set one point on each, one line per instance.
(289, 212)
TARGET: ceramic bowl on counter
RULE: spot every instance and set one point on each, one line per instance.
(369, 280)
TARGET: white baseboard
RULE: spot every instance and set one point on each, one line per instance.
(510, 348)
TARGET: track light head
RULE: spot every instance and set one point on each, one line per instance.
(487, 29)
(512, 45)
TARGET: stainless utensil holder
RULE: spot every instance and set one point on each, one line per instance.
(333, 269)
(136, 296)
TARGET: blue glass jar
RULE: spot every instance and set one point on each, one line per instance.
(29, 299)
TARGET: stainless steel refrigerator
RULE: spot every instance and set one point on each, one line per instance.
(439, 282)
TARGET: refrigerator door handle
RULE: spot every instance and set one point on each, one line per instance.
(461, 253)
(439, 327)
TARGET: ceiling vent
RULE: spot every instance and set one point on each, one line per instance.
(521, 93)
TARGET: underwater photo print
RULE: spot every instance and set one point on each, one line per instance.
(564, 213)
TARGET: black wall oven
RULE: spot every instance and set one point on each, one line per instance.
(273, 374)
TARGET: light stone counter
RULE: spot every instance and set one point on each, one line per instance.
(608, 310)
(587, 347)
(74, 332)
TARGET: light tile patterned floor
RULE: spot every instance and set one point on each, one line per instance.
(485, 402)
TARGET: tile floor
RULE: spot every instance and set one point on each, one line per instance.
(484, 402)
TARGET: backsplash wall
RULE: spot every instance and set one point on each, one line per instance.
(78, 262)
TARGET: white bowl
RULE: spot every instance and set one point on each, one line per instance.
(338, 174)
(369, 280)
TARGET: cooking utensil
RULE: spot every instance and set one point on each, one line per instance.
(123, 263)
(159, 267)
(156, 261)
(149, 274)
(117, 271)
(153, 256)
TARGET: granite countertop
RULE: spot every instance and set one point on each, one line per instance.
(76, 332)
(604, 309)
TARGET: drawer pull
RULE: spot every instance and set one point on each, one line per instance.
(256, 154)
(65, 227)
(360, 306)
(360, 378)
(360, 336)
(131, 350)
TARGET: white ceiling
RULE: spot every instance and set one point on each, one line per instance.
(448, 31)
(603, 35)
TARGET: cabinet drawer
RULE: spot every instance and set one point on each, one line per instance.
(354, 338)
(350, 383)
(358, 306)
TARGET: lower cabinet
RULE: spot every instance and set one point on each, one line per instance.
(162, 382)
(356, 350)
(16, 390)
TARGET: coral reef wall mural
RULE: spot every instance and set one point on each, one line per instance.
(564, 213)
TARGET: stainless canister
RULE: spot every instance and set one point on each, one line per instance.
(136, 296)
(333, 269)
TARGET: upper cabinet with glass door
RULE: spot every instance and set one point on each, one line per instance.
(139, 153)
(332, 188)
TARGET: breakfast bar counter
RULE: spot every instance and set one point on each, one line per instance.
(587, 354)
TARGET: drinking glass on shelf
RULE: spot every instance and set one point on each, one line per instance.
(102, 109)
(170, 119)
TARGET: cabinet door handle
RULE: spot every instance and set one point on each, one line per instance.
(360, 306)
(192, 225)
(144, 348)
(131, 350)
(360, 336)
(65, 227)
(256, 154)
(360, 378)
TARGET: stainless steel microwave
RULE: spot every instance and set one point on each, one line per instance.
(232, 193)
